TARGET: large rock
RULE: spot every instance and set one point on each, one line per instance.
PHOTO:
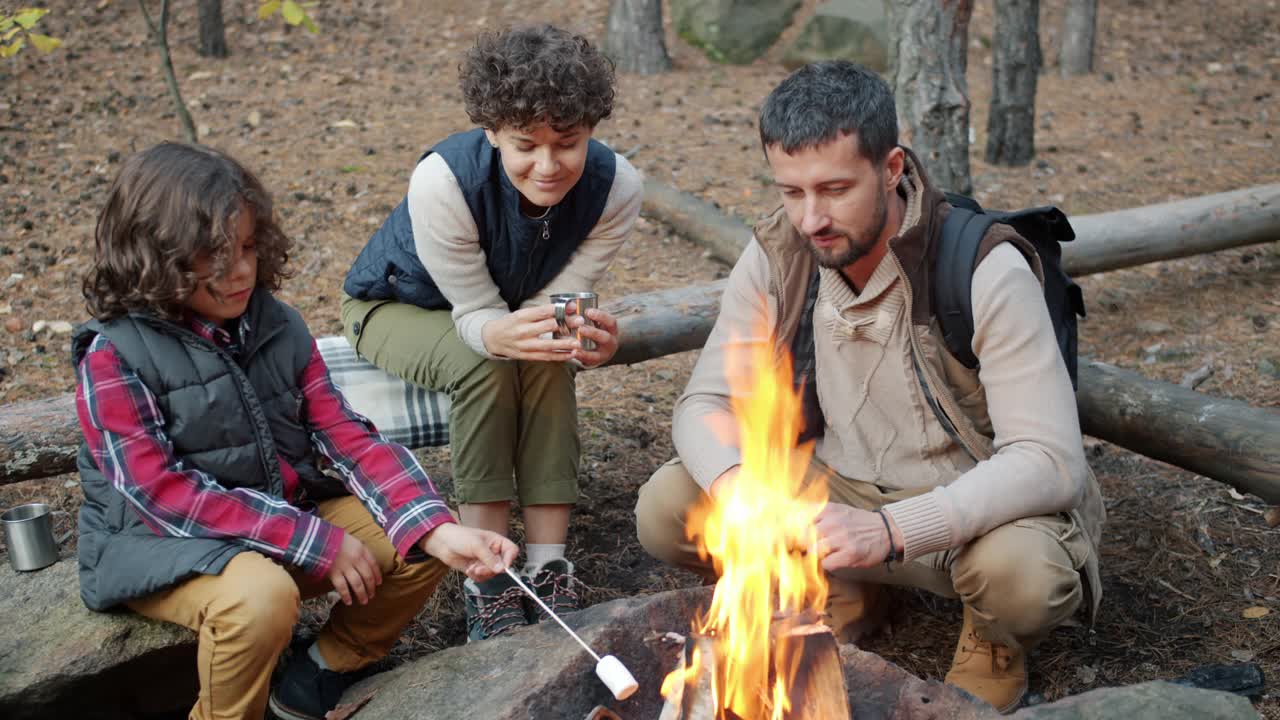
(856, 30)
(540, 672)
(59, 659)
(733, 31)
(1146, 701)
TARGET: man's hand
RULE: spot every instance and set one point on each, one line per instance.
(480, 554)
(518, 336)
(604, 333)
(355, 571)
(852, 538)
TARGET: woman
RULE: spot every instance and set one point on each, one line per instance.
(451, 293)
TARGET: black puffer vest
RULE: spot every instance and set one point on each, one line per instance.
(523, 254)
(227, 416)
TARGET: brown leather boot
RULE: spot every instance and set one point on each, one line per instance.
(856, 609)
(988, 671)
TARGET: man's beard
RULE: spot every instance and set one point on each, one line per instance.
(857, 247)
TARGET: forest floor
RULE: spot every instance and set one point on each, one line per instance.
(1183, 102)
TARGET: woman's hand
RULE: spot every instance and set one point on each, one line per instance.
(519, 336)
(480, 554)
(604, 332)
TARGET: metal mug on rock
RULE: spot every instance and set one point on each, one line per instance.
(28, 534)
(582, 301)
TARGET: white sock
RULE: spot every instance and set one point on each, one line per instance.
(537, 555)
(314, 652)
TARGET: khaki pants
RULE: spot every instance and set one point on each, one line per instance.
(245, 616)
(1021, 579)
(508, 418)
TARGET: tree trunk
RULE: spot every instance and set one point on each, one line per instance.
(928, 55)
(1078, 27)
(1104, 241)
(1226, 440)
(1136, 236)
(634, 37)
(213, 31)
(1015, 68)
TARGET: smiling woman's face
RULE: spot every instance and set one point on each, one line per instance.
(224, 298)
(542, 163)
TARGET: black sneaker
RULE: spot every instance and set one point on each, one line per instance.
(306, 691)
(494, 607)
(557, 587)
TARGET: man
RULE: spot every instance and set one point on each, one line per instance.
(969, 483)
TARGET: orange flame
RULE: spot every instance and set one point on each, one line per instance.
(757, 532)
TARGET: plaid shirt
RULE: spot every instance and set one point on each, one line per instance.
(124, 430)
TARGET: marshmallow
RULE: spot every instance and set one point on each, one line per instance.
(615, 675)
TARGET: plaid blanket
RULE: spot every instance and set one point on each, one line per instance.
(407, 414)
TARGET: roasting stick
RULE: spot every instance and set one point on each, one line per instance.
(609, 669)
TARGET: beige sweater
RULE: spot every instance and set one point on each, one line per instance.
(879, 426)
(448, 245)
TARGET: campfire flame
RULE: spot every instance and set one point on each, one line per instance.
(760, 534)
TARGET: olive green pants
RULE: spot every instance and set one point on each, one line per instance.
(513, 425)
(1021, 579)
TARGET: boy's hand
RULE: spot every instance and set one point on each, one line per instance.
(355, 571)
(480, 554)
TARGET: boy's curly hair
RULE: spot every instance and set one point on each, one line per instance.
(171, 204)
(521, 77)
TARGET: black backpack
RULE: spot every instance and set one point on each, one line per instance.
(1044, 228)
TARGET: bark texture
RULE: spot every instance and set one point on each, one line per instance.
(213, 31)
(634, 37)
(1079, 24)
(1015, 69)
(928, 55)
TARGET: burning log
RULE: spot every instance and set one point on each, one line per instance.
(810, 656)
(690, 690)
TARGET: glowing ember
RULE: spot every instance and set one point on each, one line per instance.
(756, 533)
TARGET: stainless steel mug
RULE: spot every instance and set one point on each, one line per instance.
(582, 301)
(28, 534)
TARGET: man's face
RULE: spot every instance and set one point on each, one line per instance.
(835, 196)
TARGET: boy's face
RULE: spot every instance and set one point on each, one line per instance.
(224, 298)
(542, 163)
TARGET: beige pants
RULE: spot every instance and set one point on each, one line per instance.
(245, 616)
(1021, 579)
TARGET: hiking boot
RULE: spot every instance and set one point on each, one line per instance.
(494, 607)
(306, 691)
(856, 609)
(556, 586)
(988, 671)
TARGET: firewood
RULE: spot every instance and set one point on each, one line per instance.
(809, 655)
(695, 699)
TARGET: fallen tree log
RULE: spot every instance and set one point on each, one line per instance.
(1226, 440)
(1105, 241)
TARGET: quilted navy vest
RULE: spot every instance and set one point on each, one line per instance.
(523, 254)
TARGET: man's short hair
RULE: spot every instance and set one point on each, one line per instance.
(823, 100)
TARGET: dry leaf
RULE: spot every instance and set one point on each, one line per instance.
(1272, 516)
(1255, 612)
(1242, 655)
(346, 710)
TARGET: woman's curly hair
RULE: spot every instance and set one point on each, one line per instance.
(171, 204)
(519, 78)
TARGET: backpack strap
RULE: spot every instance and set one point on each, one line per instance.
(962, 233)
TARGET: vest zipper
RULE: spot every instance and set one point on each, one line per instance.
(546, 230)
(967, 436)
